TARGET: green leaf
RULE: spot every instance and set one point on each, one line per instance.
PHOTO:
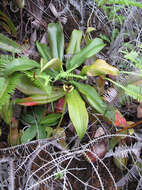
(36, 99)
(99, 67)
(28, 87)
(95, 100)
(28, 118)
(56, 40)
(77, 112)
(41, 132)
(9, 45)
(90, 50)
(50, 119)
(54, 63)
(20, 64)
(29, 134)
(44, 50)
(74, 43)
(6, 112)
(34, 116)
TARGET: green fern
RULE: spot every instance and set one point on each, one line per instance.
(131, 90)
(42, 83)
(120, 2)
(7, 87)
(125, 2)
(4, 60)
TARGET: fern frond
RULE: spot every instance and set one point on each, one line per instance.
(4, 60)
(133, 173)
(123, 151)
(131, 90)
(44, 84)
(125, 2)
(7, 87)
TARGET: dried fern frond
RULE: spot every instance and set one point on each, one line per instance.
(131, 174)
(123, 151)
(110, 95)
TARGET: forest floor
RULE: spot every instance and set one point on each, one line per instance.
(73, 170)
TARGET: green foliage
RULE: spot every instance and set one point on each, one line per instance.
(131, 90)
(20, 64)
(119, 2)
(44, 51)
(37, 99)
(56, 40)
(75, 42)
(9, 45)
(38, 124)
(94, 99)
(7, 87)
(91, 49)
(40, 86)
(77, 112)
(6, 112)
(41, 82)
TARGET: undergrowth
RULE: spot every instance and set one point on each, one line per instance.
(48, 163)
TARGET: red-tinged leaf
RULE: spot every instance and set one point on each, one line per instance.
(96, 151)
(120, 121)
(60, 105)
(28, 102)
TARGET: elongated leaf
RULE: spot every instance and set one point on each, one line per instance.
(26, 86)
(95, 100)
(56, 40)
(77, 112)
(99, 67)
(20, 64)
(91, 49)
(37, 99)
(8, 21)
(54, 63)
(74, 43)
(29, 134)
(9, 45)
(44, 50)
